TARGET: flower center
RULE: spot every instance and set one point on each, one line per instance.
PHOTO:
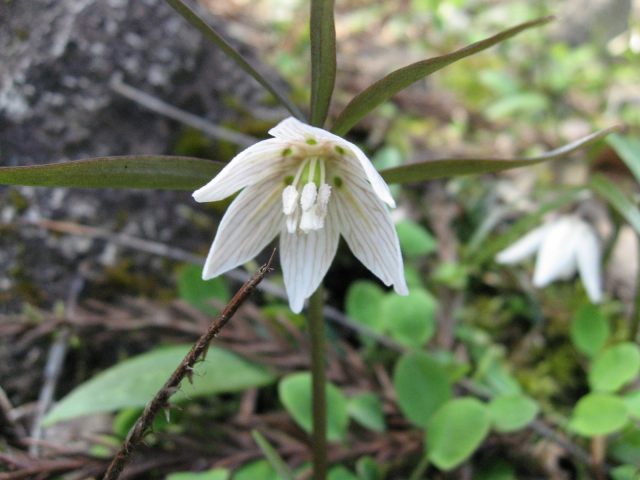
(305, 200)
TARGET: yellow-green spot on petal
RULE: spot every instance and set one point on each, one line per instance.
(288, 180)
(287, 151)
(339, 150)
(312, 141)
(337, 181)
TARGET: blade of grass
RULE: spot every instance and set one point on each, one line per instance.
(137, 171)
(272, 455)
(628, 148)
(323, 59)
(416, 172)
(611, 193)
(194, 19)
(385, 88)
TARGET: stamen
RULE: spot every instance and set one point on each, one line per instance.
(308, 197)
(289, 199)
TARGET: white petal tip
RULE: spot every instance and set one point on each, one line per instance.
(401, 290)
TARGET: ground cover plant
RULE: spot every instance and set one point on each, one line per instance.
(300, 361)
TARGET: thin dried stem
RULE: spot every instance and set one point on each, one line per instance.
(171, 386)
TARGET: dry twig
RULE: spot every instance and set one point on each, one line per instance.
(161, 399)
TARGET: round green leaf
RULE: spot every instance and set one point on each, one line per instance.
(422, 386)
(512, 412)
(295, 394)
(599, 414)
(615, 367)
(363, 304)
(415, 240)
(625, 472)
(410, 320)
(455, 431)
(632, 399)
(589, 330)
(340, 473)
(366, 409)
(258, 470)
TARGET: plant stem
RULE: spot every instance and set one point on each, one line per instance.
(318, 393)
(635, 317)
(422, 466)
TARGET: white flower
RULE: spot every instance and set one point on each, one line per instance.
(564, 246)
(309, 186)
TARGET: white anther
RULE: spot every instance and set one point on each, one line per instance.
(289, 199)
(308, 197)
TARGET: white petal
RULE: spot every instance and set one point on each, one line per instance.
(588, 257)
(291, 129)
(305, 259)
(378, 184)
(368, 229)
(252, 220)
(557, 255)
(256, 163)
(523, 247)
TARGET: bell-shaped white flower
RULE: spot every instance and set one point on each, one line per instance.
(564, 246)
(309, 186)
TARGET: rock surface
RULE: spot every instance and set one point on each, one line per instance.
(57, 59)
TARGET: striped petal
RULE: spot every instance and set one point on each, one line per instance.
(557, 255)
(368, 229)
(252, 220)
(524, 247)
(257, 163)
(291, 129)
(588, 258)
(305, 259)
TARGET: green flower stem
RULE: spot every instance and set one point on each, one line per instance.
(318, 375)
(635, 319)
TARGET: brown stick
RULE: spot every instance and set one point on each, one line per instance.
(185, 369)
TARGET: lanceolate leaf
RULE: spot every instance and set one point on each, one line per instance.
(400, 79)
(208, 31)
(612, 194)
(416, 172)
(323, 59)
(629, 150)
(137, 171)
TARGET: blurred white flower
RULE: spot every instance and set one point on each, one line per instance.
(564, 246)
(309, 186)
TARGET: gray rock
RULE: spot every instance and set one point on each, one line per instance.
(56, 60)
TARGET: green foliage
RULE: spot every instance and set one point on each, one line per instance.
(432, 169)
(295, 394)
(215, 474)
(410, 320)
(510, 413)
(200, 293)
(422, 386)
(614, 367)
(385, 88)
(133, 171)
(258, 470)
(610, 192)
(589, 330)
(274, 459)
(628, 148)
(323, 59)
(366, 409)
(363, 303)
(341, 473)
(599, 414)
(455, 431)
(415, 240)
(368, 469)
(133, 382)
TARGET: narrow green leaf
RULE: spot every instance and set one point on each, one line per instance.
(136, 171)
(323, 59)
(133, 382)
(272, 456)
(629, 150)
(385, 88)
(416, 172)
(208, 31)
(610, 192)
